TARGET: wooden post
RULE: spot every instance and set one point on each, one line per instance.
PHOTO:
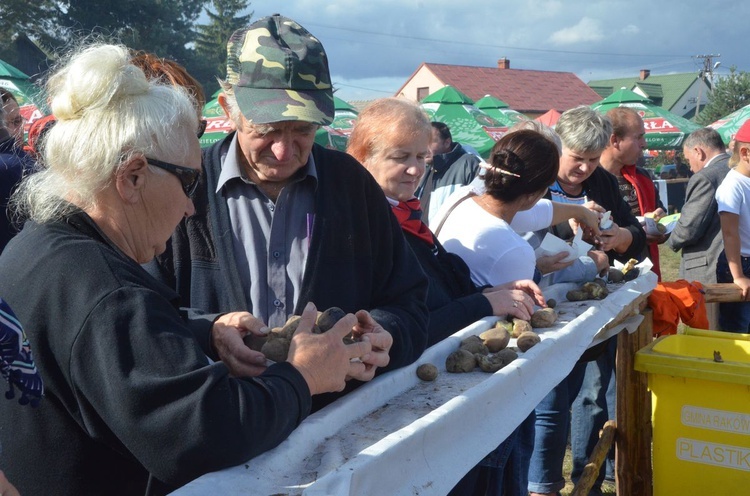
(722, 293)
(633, 441)
(591, 470)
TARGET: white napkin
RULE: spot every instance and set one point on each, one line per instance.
(552, 245)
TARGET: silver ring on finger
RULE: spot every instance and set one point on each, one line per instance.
(515, 304)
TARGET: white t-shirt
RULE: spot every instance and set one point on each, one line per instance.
(491, 248)
(733, 196)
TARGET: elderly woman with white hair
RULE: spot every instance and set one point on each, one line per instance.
(132, 404)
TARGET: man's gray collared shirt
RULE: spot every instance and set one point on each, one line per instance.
(270, 239)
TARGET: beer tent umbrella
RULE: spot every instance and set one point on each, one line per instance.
(30, 97)
(467, 123)
(499, 110)
(336, 134)
(664, 130)
(218, 125)
(549, 118)
(728, 126)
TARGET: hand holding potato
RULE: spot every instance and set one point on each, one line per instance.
(226, 340)
(324, 360)
(380, 340)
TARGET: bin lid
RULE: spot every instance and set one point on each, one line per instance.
(696, 357)
(715, 334)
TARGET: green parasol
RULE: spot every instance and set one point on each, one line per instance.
(729, 125)
(467, 123)
(218, 125)
(336, 134)
(499, 110)
(30, 97)
(664, 130)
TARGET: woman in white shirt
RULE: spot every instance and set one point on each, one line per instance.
(476, 225)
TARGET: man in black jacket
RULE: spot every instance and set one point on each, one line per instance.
(280, 221)
(450, 166)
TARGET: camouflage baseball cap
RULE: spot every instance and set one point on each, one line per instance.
(279, 72)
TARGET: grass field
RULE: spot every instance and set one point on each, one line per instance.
(669, 263)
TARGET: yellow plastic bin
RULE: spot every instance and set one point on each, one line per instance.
(690, 331)
(700, 389)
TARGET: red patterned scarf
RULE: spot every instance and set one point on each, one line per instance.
(409, 215)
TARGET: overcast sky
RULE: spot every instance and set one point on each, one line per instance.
(375, 45)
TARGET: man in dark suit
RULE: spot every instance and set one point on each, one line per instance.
(698, 231)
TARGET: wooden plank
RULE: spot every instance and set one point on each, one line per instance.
(633, 308)
(591, 470)
(633, 441)
(722, 293)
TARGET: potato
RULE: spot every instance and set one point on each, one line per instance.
(507, 355)
(460, 361)
(328, 319)
(427, 372)
(290, 327)
(631, 274)
(629, 266)
(474, 344)
(614, 275)
(276, 349)
(596, 291)
(493, 363)
(495, 339)
(577, 295)
(552, 303)
(519, 327)
(545, 317)
(527, 340)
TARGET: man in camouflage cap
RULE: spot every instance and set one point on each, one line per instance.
(279, 69)
(281, 221)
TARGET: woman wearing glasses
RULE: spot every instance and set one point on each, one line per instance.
(12, 117)
(132, 405)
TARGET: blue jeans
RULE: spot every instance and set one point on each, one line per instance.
(505, 471)
(551, 433)
(733, 317)
(594, 405)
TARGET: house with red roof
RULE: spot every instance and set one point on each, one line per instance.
(530, 92)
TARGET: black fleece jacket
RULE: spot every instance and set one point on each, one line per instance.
(130, 399)
(358, 256)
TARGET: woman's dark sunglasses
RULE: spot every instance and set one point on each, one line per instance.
(187, 176)
(202, 127)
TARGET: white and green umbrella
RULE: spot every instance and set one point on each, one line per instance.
(336, 134)
(499, 110)
(468, 124)
(664, 130)
(729, 125)
(30, 97)
(218, 125)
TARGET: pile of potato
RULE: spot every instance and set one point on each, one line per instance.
(275, 346)
(489, 351)
(628, 272)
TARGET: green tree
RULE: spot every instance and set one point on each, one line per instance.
(211, 39)
(729, 94)
(37, 19)
(157, 26)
